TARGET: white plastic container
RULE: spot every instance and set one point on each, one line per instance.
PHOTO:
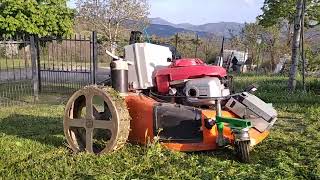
(144, 58)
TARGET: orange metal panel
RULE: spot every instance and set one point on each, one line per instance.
(141, 111)
(255, 136)
(209, 136)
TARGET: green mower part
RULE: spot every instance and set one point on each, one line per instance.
(234, 123)
(237, 125)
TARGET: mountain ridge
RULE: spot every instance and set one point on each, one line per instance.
(217, 29)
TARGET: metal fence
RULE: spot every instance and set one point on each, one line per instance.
(66, 64)
(30, 66)
(15, 71)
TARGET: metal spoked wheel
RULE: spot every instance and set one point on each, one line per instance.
(243, 150)
(96, 120)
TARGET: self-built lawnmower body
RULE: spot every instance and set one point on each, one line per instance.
(186, 104)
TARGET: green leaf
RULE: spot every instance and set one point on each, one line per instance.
(37, 17)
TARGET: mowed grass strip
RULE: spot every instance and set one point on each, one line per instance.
(32, 146)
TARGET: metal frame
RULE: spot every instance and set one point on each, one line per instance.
(45, 65)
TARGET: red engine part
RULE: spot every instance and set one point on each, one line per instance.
(185, 69)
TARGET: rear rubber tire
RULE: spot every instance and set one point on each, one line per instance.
(243, 151)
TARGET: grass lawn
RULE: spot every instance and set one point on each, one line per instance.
(14, 63)
(32, 145)
(16, 93)
(10, 64)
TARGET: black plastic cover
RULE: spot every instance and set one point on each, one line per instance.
(177, 123)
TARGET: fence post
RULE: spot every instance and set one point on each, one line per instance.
(37, 44)
(94, 57)
(177, 39)
(196, 50)
(35, 76)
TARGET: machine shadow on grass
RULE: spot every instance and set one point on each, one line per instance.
(228, 153)
(223, 154)
(46, 130)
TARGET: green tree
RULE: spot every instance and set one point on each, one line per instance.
(272, 44)
(111, 18)
(291, 11)
(235, 39)
(283, 13)
(275, 11)
(36, 17)
(187, 43)
(313, 58)
(251, 33)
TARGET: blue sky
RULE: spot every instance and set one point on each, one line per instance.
(205, 11)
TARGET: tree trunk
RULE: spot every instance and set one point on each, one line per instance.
(289, 34)
(295, 47)
(302, 47)
(272, 62)
(273, 54)
(113, 47)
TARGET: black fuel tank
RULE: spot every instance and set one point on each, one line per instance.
(119, 75)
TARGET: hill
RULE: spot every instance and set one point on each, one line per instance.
(164, 28)
(168, 31)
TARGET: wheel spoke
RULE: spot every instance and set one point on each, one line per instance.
(74, 136)
(71, 111)
(89, 106)
(75, 122)
(103, 125)
(89, 129)
(89, 140)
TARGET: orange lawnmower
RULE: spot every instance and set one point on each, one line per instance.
(186, 103)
